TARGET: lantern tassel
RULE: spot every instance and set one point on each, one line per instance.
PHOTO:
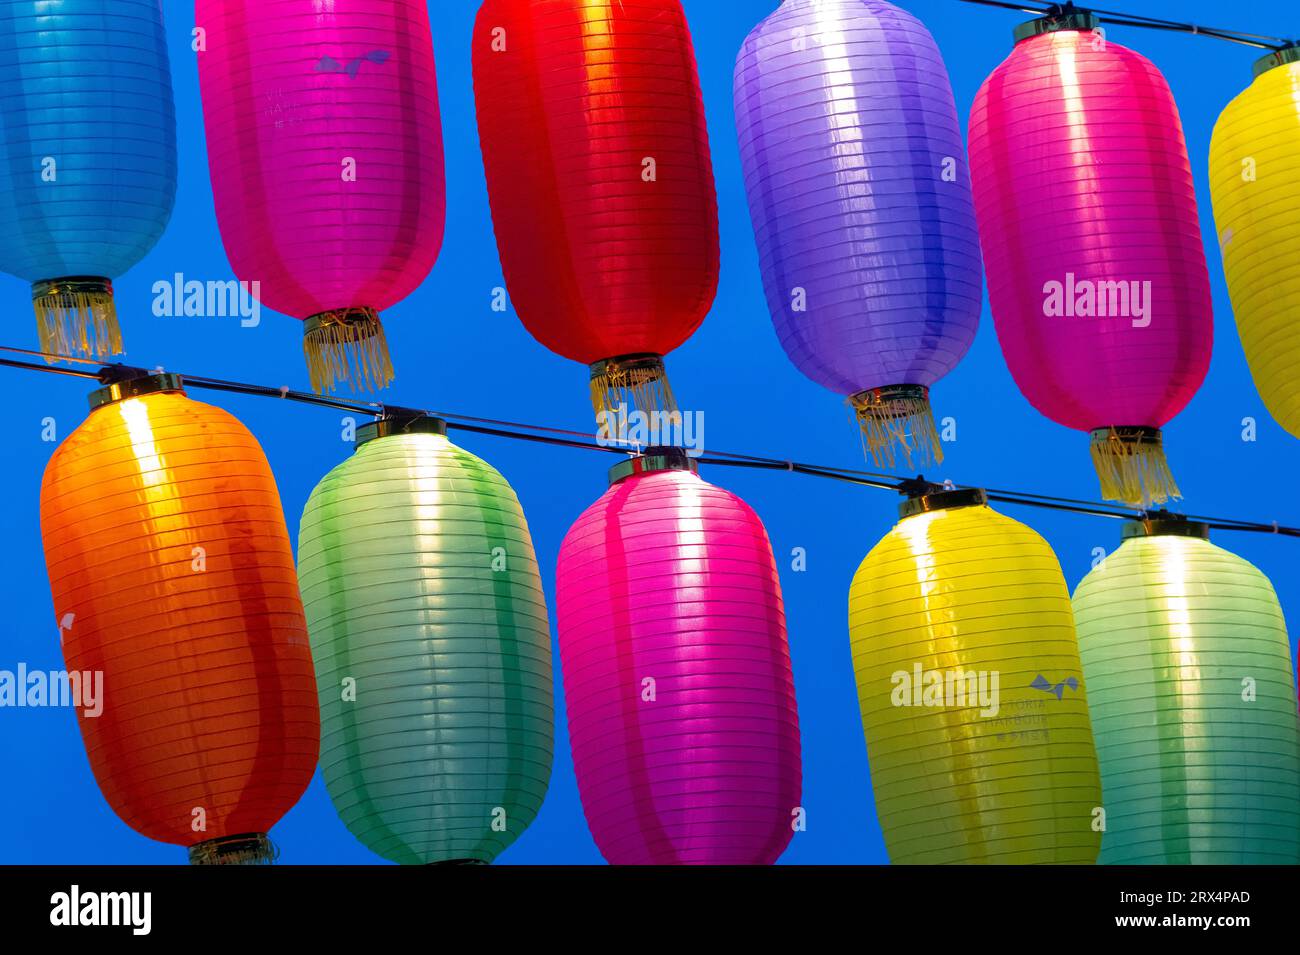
(898, 422)
(248, 849)
(636, 380)
(347, 344)
(1132, 466)
(76, 316)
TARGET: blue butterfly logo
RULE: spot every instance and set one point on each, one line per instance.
(1043, 683)
(328, 64)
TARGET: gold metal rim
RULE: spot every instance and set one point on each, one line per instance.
(873, 397)
(1078, 20)
(400, 424)
(357, 315)
(1165, 525)
(135, 388)
(1282, 57)
(943, 501)
(622, 363)
(72, 285)
(654, 459)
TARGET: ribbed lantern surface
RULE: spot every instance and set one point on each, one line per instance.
(1255, 184)
(432, 649)
(860, 197)
(88, 169)
(172, 575)
(1092, 245)
(677, 674)
(1193, 703)
(326, 158)
(598, 168)
(972, 693)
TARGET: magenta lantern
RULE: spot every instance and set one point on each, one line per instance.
(1092, 244)
(325, 152)
(677, 673)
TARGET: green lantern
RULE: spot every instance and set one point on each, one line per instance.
(1193, 702)
(433, 652)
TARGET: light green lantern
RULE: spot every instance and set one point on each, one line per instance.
(433, 652)
(1193, 702)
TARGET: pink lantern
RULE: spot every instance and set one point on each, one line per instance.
(325, 153)
(1092, 244)
(677, 673)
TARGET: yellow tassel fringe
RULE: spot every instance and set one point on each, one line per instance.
(898, 423)
(347, 346)
(1132, 466)
(640, 383)
(77, 323)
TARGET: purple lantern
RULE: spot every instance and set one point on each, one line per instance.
(860, 196)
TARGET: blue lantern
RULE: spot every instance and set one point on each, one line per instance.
(88, 164)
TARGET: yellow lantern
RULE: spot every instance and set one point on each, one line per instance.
(972, 692)
(1255, 186)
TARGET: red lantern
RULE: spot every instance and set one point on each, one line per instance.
(597, 157)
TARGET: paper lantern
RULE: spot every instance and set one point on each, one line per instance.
(1193, 702)
(598, 169)
(1255, 184)
(325, 152)
(860, 198)
(677, 673)
(173, 577)
(1087, 216)
(88, 169)
(971, 691)
(432, 649)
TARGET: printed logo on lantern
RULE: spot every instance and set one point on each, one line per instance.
(21, 688)
(621, 428)
(179, 297)
(958, 688)
(1085, 298)
(1056, 689)
(327, 64)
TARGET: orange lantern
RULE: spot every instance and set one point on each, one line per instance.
(173, 577)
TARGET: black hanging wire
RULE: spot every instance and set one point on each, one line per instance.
(1119, 18)
(560, 437)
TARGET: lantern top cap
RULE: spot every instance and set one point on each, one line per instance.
(1067, 19)
(122, 384)
(400, 421)
(1288, 54)
(935, 497)
(654, 459)
(1165, 524)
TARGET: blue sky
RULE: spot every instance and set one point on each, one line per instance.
(454, 353)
